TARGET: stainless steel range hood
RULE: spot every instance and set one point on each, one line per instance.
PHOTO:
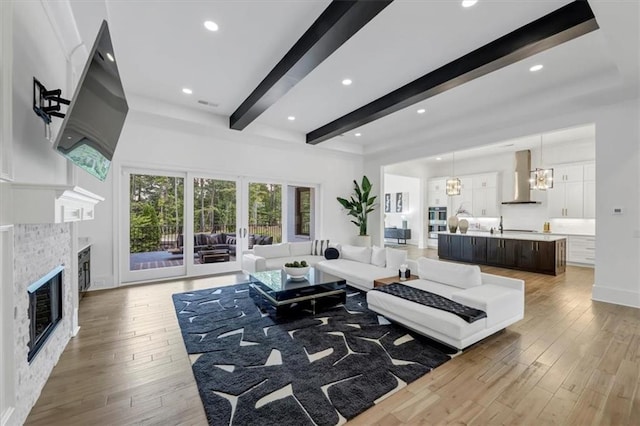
(521, 187)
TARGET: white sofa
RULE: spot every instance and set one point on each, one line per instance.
(360, 266)
(501, 298)
(274, 256)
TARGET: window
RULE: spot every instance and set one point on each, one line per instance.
(303, 211)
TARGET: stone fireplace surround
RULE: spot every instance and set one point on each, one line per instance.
(39, 248)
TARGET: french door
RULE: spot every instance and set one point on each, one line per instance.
(190, 224)
(263, 216)
(179, 224)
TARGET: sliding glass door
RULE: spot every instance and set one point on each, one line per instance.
(189, 224)
(263, 217)
(216, 212)
(154, 246)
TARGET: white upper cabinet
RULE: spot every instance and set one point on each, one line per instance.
(464, 201)
(589, 172)
(486, 180)
(485, 195)
(568, 173)
(485, 202)
(478, 195)
(589, 200)
(573, 192)
(437, 193)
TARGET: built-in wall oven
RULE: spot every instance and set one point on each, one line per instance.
(437, 221)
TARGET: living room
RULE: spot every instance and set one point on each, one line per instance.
(40, 39)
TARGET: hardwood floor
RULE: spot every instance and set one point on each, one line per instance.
(570, 361)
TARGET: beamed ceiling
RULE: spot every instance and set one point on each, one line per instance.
(274, 59)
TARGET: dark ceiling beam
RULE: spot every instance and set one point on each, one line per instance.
(339, 21)
(559, 26)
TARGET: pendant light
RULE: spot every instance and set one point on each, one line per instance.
(453, 184)
(541, 178)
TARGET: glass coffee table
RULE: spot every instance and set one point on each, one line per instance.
(275, 292)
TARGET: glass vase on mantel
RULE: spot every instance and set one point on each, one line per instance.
(452, 222)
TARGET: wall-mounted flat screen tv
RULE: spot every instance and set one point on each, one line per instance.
(93, 122)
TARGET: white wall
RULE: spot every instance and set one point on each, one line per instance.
(198, 142)
(412, 213)
(617, 278)
(36, 53)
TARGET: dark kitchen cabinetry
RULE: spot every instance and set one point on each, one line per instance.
(547, 257)
(450, 246)
(502, 252)
(474, 249)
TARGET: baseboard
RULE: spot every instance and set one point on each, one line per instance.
(616, 296)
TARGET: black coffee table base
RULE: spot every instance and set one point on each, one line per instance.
(298, 304)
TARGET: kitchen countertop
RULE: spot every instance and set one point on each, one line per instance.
(529, 236)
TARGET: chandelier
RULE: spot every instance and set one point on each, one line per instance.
(541, 178)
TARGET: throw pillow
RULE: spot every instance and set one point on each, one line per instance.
(395, 257)
(318, 247)
(359, 254)
(216, 239)
(378, 256)
(454, 274)
(331, 253)
(231, 240)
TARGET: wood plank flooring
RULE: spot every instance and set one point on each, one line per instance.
(570, 361)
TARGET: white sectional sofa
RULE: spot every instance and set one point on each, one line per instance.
(268, 257)
(360, 266)
(501, 298)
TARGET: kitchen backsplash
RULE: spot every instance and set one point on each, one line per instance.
(531, 217)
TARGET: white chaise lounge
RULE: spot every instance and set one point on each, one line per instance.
(501, 298)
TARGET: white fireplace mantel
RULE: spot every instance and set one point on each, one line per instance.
(42, 203)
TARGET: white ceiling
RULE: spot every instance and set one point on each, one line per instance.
(162, 46)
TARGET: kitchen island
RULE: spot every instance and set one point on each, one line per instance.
(542, 253)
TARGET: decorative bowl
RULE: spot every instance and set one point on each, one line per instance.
(296, 273)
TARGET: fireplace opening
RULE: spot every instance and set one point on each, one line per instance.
(45, 309)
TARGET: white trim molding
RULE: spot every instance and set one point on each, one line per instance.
(7, 363)
(616, 295)
(40, 203)
(6, 90)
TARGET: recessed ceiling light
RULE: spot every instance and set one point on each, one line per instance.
(468, 3)
(347, 82)
(187, 91)
(291, 118)
(110, 56)
(438, 158)
(536, 68)
(421, 111)
(211, 26)
(358, 135)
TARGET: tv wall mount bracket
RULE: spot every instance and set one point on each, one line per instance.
(46, 103)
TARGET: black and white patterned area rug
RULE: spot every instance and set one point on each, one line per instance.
(303, 369)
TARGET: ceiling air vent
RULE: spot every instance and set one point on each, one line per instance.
(208, 103)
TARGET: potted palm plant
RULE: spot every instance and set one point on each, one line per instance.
(359, 206)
